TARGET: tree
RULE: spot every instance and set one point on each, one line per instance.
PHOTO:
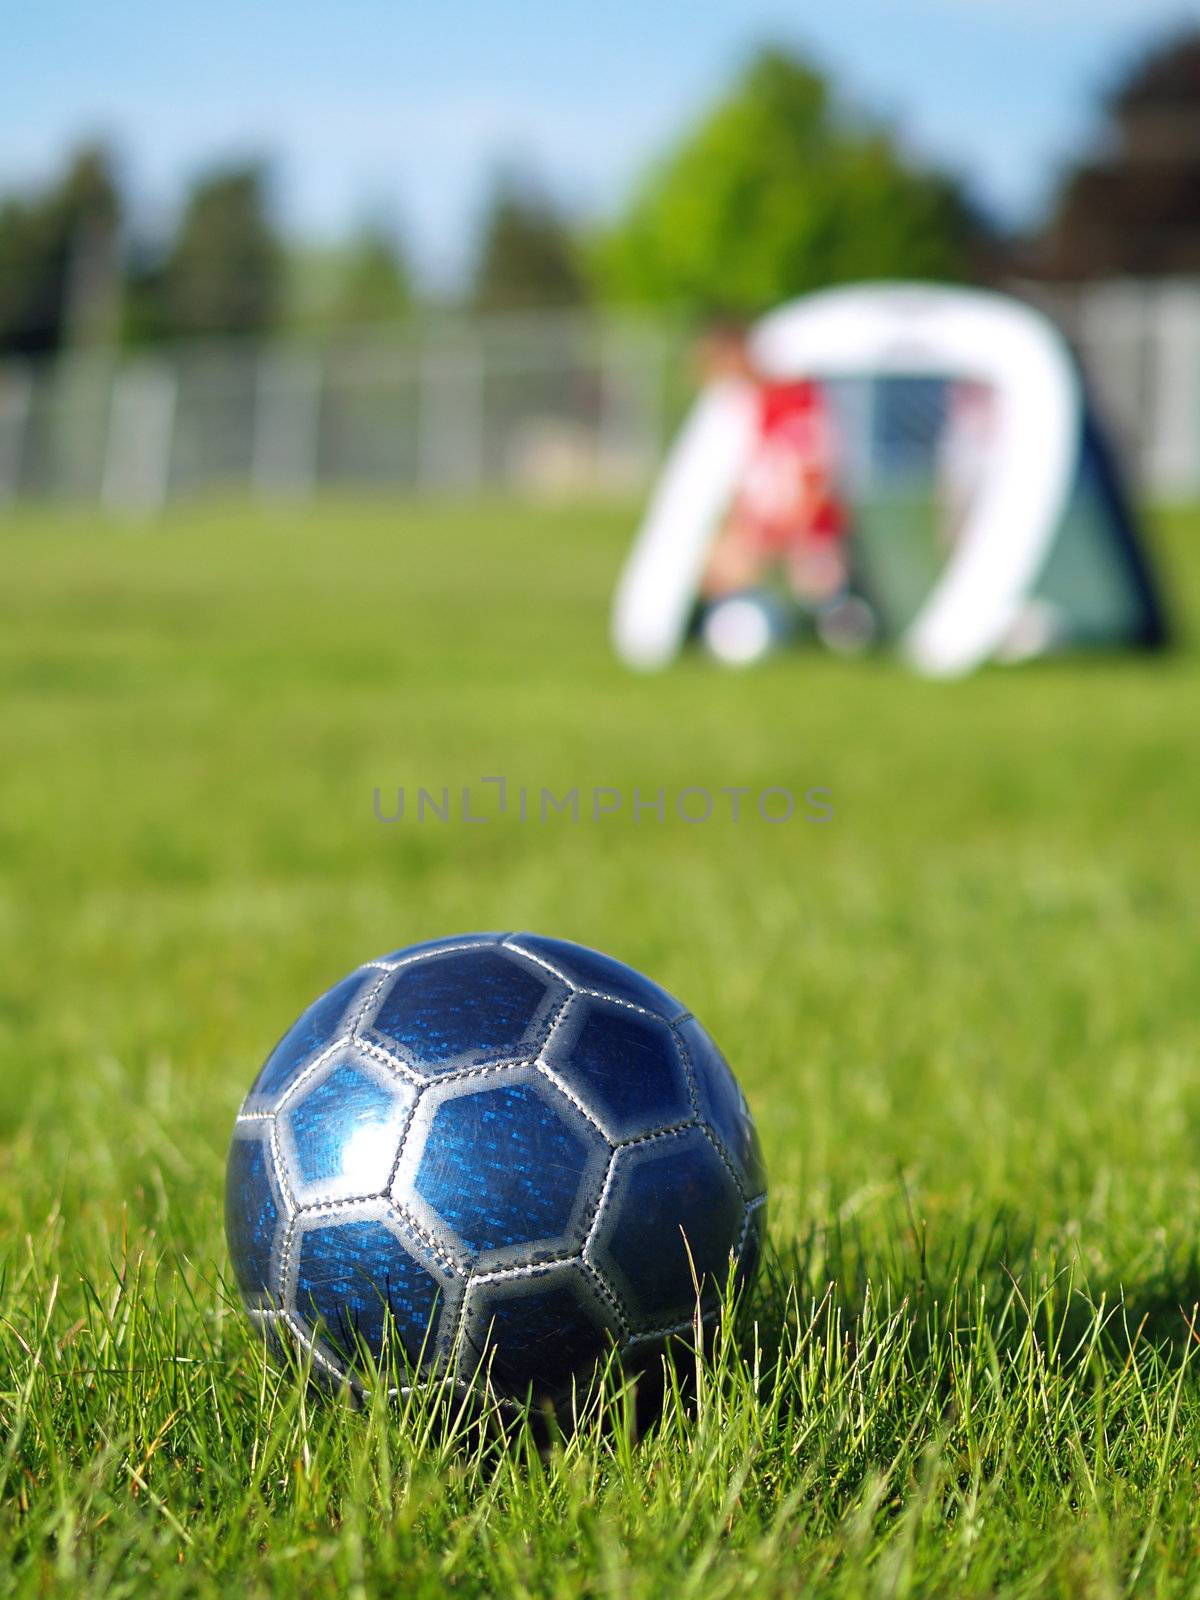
(527, 257)
(223, 273)
(375, 282)
(776, 192)
(58, 260)
(1135, 209)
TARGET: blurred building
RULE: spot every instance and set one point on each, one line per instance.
(1135, 211)
(1118, 265)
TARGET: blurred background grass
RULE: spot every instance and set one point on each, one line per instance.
(969, 994)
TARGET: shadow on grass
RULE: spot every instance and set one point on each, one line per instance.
(992, 1276)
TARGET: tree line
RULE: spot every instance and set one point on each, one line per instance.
(778, 189)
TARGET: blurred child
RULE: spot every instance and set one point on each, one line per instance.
(787, 514)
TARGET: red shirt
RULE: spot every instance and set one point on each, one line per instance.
(788, 494)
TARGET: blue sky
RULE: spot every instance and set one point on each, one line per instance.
(403, 109)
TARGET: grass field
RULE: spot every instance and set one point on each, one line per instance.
(964, 1009)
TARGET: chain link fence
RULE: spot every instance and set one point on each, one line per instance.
(542, 405)
(537, 405)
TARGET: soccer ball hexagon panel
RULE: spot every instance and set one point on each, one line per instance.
(500, 1151)
(339, 1127)
(446, 1010)
(502, 1169)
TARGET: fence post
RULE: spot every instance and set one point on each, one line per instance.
(1173, 454)
(141, 430)
(450, 414)
(1113, 333)
(287, 423)
(631, 427)
(16, 401)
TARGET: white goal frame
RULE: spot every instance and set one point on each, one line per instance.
(911, 330)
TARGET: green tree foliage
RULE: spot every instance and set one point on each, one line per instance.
(223, 272)
(364, 280)
(776, 192)
(527, 257)
(58, 272)
(375, 282)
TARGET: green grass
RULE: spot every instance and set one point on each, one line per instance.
(964, 1010)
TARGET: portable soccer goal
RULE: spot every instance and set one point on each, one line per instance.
(988, 519)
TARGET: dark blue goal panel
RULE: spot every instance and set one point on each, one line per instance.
(911, 456)
(1098, 578)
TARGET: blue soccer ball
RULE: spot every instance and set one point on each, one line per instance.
(494, 1152)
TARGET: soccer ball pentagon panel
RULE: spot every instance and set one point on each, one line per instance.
(500, 1153)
